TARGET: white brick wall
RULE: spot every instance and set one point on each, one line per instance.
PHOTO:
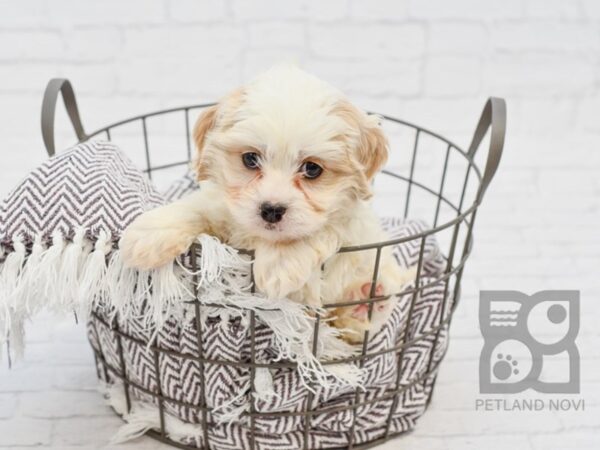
(430, 61)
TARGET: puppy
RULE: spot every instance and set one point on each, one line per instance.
(285, 165)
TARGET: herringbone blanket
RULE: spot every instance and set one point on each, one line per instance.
(59, 232)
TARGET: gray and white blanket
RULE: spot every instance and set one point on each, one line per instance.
(59, 232)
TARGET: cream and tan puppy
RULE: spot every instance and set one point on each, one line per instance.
(285, 164)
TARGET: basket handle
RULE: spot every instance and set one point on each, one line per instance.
(493, 117)
(54, 87)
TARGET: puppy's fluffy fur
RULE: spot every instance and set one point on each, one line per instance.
(284, 119)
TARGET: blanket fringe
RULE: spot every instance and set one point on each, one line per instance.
(71, 268)
(12, 318)
(78, 275)
(48, 281)
(92, 282)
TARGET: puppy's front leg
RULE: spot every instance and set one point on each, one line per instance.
(157, 237)
(285, 269)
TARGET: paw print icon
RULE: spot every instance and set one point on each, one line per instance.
(529, 342)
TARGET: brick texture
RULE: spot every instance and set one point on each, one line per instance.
(432, 62)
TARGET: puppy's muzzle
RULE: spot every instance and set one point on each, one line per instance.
(272, 213)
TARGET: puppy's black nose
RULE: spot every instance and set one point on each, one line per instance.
(272, 213)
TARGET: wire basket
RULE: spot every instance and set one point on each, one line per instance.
(451, 208)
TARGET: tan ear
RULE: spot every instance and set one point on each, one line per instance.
(373, 149)
(372, 146)
(204, 124)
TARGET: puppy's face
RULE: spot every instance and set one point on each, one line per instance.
(289, 153)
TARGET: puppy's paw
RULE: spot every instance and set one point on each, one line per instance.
(362, 291)
(146, 245)
(355, 319)
(353, 330)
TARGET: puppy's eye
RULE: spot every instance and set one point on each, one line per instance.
(311, 170)
(250, 160)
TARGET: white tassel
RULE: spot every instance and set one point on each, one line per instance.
(168, 294)
(93, 281)
(113, 393)
(225, 316)
(11, 273)
(137, 424)
(70, 270)
(219, 263)
(121, 287)
(49, 278)
(142, 286)
(351, 374)
(32, 293)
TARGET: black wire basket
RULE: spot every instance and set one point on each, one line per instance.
(451, 209)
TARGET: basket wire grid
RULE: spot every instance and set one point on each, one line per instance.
(459, 226)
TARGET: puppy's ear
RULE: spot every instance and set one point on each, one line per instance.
(204, 124)
(373, 148)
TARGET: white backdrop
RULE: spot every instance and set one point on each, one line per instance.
(433, 62)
